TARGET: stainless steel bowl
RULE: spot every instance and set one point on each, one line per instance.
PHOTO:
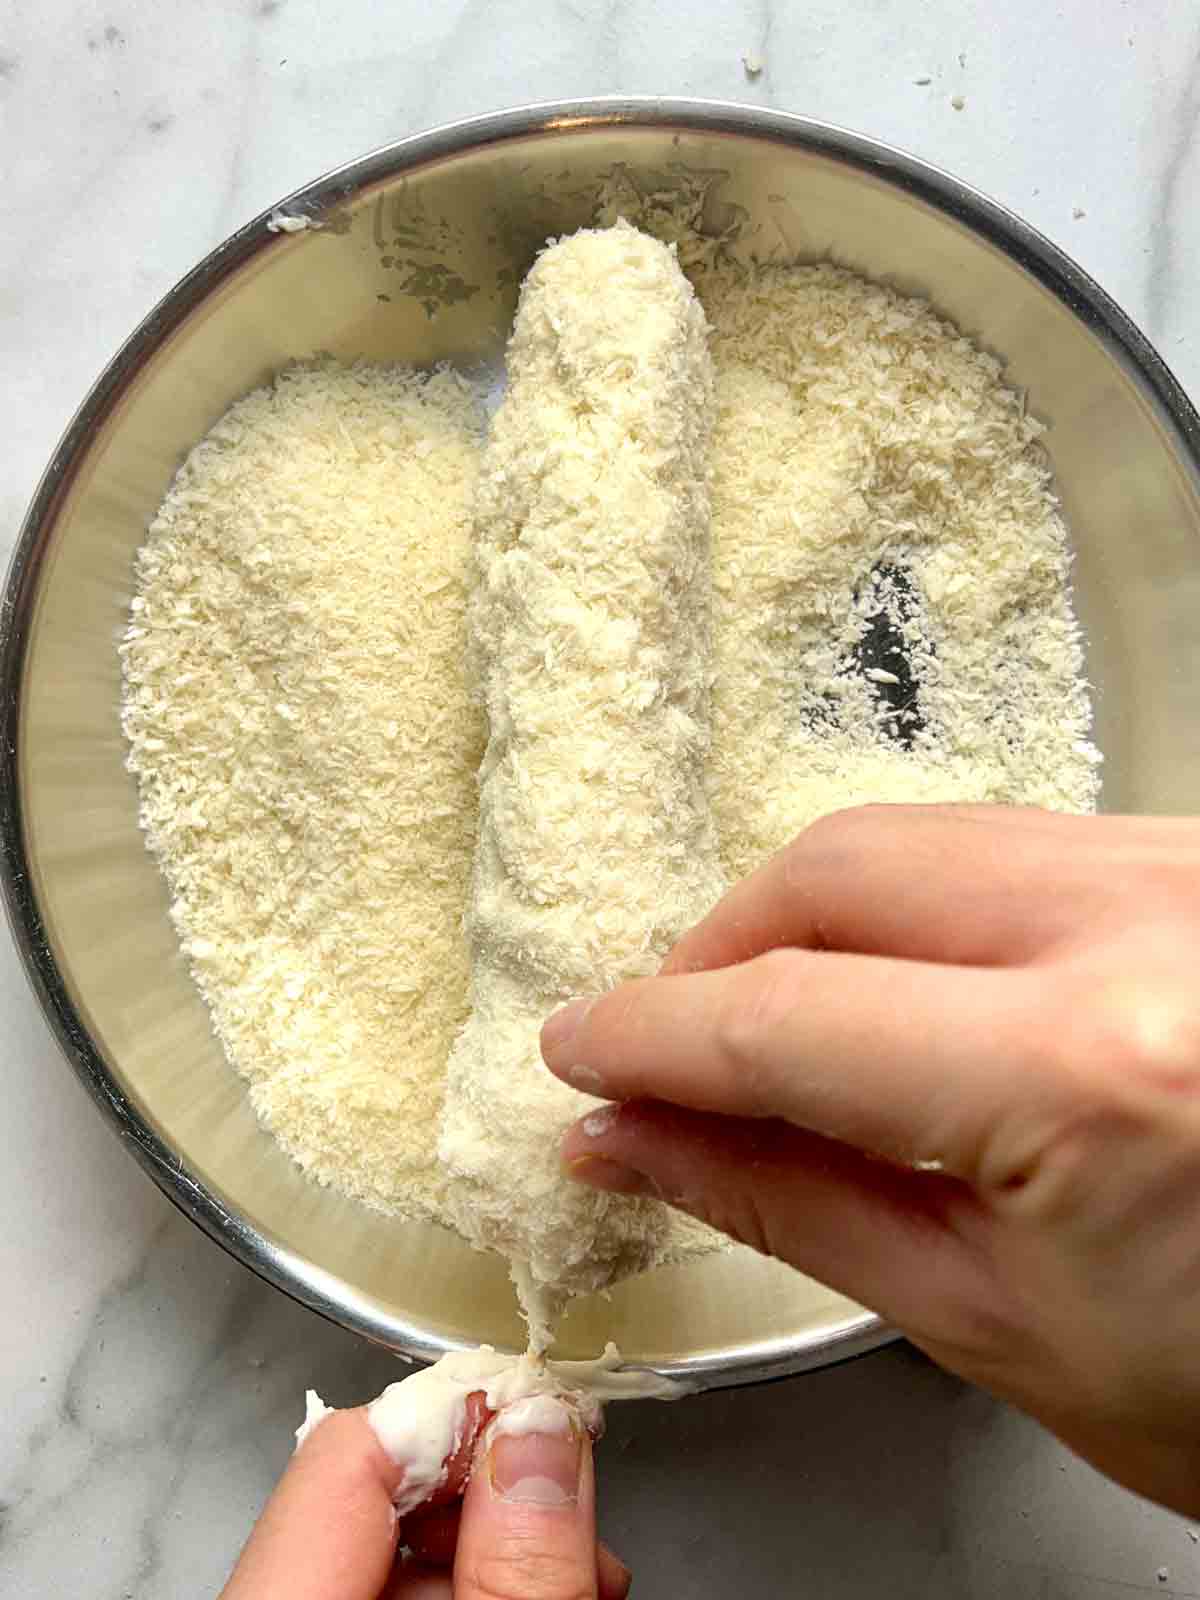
(421, 249)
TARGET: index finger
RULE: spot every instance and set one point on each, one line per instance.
(329, 1530)
(945, 883)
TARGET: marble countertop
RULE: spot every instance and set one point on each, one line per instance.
(150, 1384)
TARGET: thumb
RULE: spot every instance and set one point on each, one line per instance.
(884, 1235)
(528, 1528)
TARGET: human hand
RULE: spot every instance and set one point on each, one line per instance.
(1013, 995)
(525, 1530)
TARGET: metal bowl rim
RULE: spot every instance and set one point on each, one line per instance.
(302, 1280)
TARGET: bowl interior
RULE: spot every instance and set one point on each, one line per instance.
(420, 263)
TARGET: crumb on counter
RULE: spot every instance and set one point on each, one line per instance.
(281, 222)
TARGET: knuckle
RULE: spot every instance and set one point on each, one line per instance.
(1039, 1114)
(518, 1571)
(1134, 1025)
(740, 1216)
(1162, 884)
(835, 846)
(1147, 1035)
(1069, 1045)
(840, 832)
(1106, 1067)
(983, 1336)
(754, 1011)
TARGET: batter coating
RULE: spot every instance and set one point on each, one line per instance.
(590, 633)
(423, 1421)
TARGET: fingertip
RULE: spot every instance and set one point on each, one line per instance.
(415, 1581)
(561, 1029)
(529, 1514)
(461, 1460)
(637, 1150)
(433, 1535)
(614, 1578)
(543, 1469)
(589, 1154)
(334, 1503)
(598, 1172)
(345, 1448)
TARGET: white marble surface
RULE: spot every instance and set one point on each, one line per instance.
(149, 1384)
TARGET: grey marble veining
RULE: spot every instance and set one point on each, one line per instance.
(150, 1384)
(1174, 192)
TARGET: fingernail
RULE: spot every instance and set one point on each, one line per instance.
(580, 1076)
(601, 1173)
(621, 1575)
(597, 1123)
(561, 1028)
(537, 1469)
